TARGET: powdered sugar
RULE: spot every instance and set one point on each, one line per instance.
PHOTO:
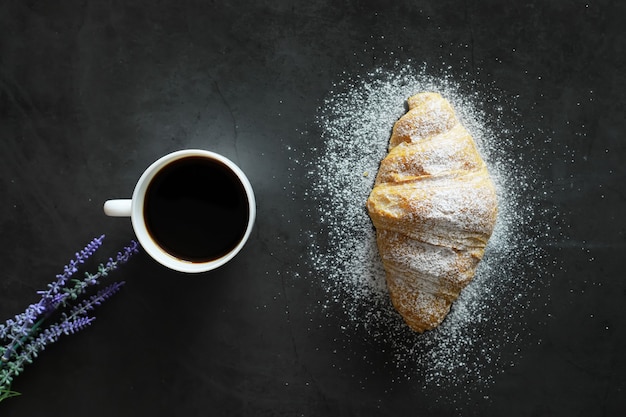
(355, 122)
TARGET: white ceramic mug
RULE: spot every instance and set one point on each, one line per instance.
(135, 209)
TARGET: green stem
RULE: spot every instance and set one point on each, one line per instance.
(7, 393)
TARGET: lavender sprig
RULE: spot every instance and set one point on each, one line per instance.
(70, 269)
(23, 337)
(76, 319)
(50, 298)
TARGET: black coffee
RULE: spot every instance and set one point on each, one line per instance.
(196, 209)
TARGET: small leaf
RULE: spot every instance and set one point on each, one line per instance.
(7, 393)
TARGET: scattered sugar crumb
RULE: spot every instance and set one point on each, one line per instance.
(355, 123)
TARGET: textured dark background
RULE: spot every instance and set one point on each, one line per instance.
(91, 92)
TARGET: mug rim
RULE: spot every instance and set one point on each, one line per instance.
(139, 224)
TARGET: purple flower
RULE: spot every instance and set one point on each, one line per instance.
(122, 257)
(71, 327)
(95, 300)
(50, 300)
(69, 270)
(27, 334)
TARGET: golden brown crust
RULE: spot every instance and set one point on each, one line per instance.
(434, 208)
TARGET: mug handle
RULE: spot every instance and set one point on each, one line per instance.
(118, 208)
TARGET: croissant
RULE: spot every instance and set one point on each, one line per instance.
(434, 208)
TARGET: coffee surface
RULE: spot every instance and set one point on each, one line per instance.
(196, 209)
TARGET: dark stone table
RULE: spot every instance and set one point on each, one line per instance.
(92, 92)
